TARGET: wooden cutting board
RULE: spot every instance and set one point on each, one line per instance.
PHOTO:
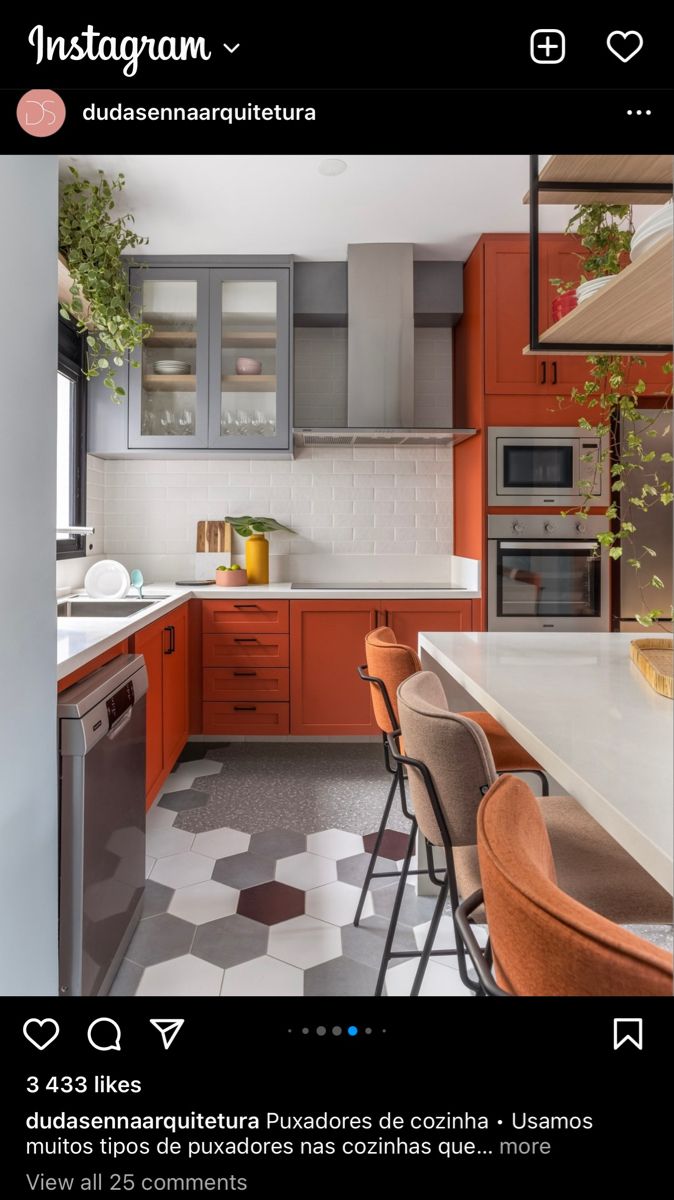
(214, 537)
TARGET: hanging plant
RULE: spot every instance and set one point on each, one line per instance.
(92, 240)
(637, 456)
(605, 232)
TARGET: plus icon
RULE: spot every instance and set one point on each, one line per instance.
(547, 46)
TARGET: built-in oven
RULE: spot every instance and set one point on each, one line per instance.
(544, 573)
(540, 467)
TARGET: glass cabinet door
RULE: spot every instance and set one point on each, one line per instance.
(168, 393)
(250, 352)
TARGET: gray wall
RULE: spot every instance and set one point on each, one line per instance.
(28, 764)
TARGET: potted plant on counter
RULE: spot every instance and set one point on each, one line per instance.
(92, 241)
(257, 546)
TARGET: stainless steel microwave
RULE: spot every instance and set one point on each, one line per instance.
(545, 466)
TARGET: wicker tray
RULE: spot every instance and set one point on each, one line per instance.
(655, 659)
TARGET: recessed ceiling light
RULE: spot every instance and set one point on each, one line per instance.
(332, 166)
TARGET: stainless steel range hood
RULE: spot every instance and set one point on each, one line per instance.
(380, 398)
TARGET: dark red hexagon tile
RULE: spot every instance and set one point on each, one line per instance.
(393, 844)
(270, 903)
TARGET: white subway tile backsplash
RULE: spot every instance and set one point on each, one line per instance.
(364, 500)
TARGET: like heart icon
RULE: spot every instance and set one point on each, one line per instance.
(624, 45)
(43, 1032)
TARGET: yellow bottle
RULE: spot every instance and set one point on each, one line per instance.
(257, 558)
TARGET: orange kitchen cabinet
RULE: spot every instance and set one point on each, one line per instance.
(246, 683)
(163, 645)
(246, 717)
(408, 618)
(235, 616)
(327, 644)
(245, 649)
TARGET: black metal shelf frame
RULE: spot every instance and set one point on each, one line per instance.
(536, 186)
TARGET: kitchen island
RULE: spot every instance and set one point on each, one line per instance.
(578, 704)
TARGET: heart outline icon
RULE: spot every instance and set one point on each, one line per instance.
(625, 34)
(41, 1024)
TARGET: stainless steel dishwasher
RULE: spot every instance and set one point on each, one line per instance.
(102, 822)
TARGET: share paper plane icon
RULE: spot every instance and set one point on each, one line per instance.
(168, 1029)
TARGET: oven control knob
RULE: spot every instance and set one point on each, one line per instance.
(518, 527)
(580, 528)
(549, 527)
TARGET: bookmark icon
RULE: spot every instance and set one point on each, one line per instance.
(168, 1029)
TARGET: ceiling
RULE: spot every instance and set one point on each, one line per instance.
(281, 204)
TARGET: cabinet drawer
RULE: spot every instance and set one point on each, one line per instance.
(246, 683)
(230, 616)
(244, 717)
(246, 650)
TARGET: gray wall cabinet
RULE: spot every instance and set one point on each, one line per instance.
(216, 372)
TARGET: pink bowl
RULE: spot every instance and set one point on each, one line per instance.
(231, 578)
(248, 366)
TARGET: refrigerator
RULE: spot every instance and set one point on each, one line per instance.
(655, 528)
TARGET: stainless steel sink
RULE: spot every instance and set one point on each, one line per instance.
(104, 608)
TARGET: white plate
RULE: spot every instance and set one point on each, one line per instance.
(107, 580)
(593, 285)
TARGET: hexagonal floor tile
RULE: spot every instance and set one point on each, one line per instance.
(365, 943)
(336, 903)
(181, 799)
(203, 902)
(219, 843)
(244, 870)
(445, 938)
(149, 864)
(393, 844)
(197, 751)
(127, 979)
(438, 980)
(168, 841)
(304, 942)
(263, 976)
(278, 843)
(156, 898)
(185, 976)
(306, 871)
(157, 818)
(335, 843)
(352, 870)
(159, 938)
(180, 870)
(270, 903)
(340, 977)
(414, 909)
(230, 941)
(186, 772)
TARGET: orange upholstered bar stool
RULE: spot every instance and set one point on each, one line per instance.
(542, 942)
(388, 664)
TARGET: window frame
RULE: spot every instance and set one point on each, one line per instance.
(70, 365)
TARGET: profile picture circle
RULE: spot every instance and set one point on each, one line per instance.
(40, 112)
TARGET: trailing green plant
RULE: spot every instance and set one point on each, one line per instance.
(92, 240)
(245, 526)
(605, 234)
(633, 445)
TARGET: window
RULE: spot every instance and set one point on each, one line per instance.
(70, 445)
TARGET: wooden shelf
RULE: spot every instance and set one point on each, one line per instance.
(249, 383)
(634, 308)
(164, 337)
(250, 337)
(606, 168)
(170, 383)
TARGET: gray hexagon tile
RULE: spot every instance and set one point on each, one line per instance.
(180, 870)
(230, 941)
(156, 899)
(278, 843)
(305, 871)
(414, 909)
(243, 870)
(340, 977)
(168, 841)
(157, 818)
(159, 938)
(352, 870)
(365, 944)
(182, 799)
(127, 979)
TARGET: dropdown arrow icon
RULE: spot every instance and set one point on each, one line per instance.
(231, 48)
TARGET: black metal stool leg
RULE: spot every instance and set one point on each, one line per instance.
(545, 783)
(430, 938)
(375, 852)
(396, 911)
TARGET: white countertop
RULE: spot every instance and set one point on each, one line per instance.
(580, 706)
(80, 639)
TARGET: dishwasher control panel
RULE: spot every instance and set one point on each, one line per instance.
(119, 702)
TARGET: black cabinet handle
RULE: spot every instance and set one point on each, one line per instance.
(169, 650)
(244, 673)
(246, 639)
(543, 371)
(554, 372)
(255, 606)
(245, 708)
